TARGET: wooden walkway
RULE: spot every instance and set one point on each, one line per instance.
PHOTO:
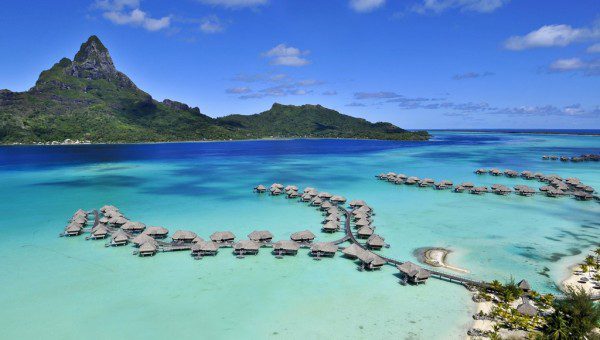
(440, 275)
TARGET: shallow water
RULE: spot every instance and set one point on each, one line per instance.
(71, 288)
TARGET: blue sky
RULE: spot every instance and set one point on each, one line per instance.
(418, 64)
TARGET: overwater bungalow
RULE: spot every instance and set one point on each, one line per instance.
(197, 239)
(119, 238)
(309, 189)
(582, 196)
(364, 208)
(364, 232)
(260, 188)
(326, 205)
(527, 174)
(361, 215)
(375, 242)
(459, 188)
(362, 222)
(390, 176)
(303, 236)
(316, 202)
(401, 177)
(357, 203)
(382, 176)
(118, 221)
(323, 249)
(285, 247)
(277, 185)
(246, 247)
(183, 236)
(275, 191)
(73, 229)
(332, 218)
(222, 237)
(103, 220)
(495, 172)
(352, 251)
(337, 199)
(572, 180)
(554, 193)
(426, 182)
(80, 213)
(141, 239)
(411, 180)
(588, 189)
(538, 175)
(112, 213)
(205, 249)
(564, 159)
(545, 188)
(79, 220)
(305, 197)
(441, 185)
(500, 189)
(331, 227)
(369, 260)
(524, 190)
(511, 173)
(553, 157)
(156, 232)
(105, 208)
(481, 171)
(148, 249)
(313, 193)
(261, 236)
(291, 188)
(325, 195)
(413, 273)
(292, 194)
(133, 227)
(99, 232)
(478, 190)
(332, 211)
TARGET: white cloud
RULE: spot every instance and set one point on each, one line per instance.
(238, 90)
(366, 5)
(287, 56)
(589, 68)
(551, 36)
(211, 24)
(594, 48)
(116, 5)
(567, 64)
(137, 17)
(438, 6)
(235, 3)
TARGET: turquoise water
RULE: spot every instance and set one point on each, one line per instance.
(71, 288)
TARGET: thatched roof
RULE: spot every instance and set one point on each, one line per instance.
(412, 270)
(246, 245)
(324, 247)
(103, 220)
(362, 222)
(205, 246)
(316, 201)
(197, 239)
(526, 308)
(523, 284)
(73, 228)
(100, 231)
(326, 205)
(286, 245)
(365, 231)
(112, 213)
(119, 220)
(467, 185)
(141, 239)
(332, 217)
(79, 220)
(352, 250)
(291, 188)
(325, 195)
(148, 247)
(260, 235)
(338, 198)
(302, 235)
(331, 225)
(108, 207)
(368, 257)
(221, 236)
(120, 236)
(376, 241)
(133, 226)
(156, 231)
(357, 203)
(260, 187)
(183, 235)
(277, 185)
(80, 213)
(309, 189)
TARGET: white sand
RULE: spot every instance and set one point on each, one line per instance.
(437, 258)
(576, 275)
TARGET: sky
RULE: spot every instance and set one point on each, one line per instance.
(429, 64)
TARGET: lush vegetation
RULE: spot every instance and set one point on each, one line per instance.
(87, 98)
(574, 317)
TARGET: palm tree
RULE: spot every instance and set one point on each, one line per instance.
(597, 252)
(557, 329)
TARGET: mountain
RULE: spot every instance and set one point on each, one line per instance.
(88, 98)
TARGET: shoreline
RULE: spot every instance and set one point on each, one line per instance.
(219, 141)
(573, 280)
(437, 257)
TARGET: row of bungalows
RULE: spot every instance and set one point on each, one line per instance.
(581, 158)
(76, 223)
(331, 222)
